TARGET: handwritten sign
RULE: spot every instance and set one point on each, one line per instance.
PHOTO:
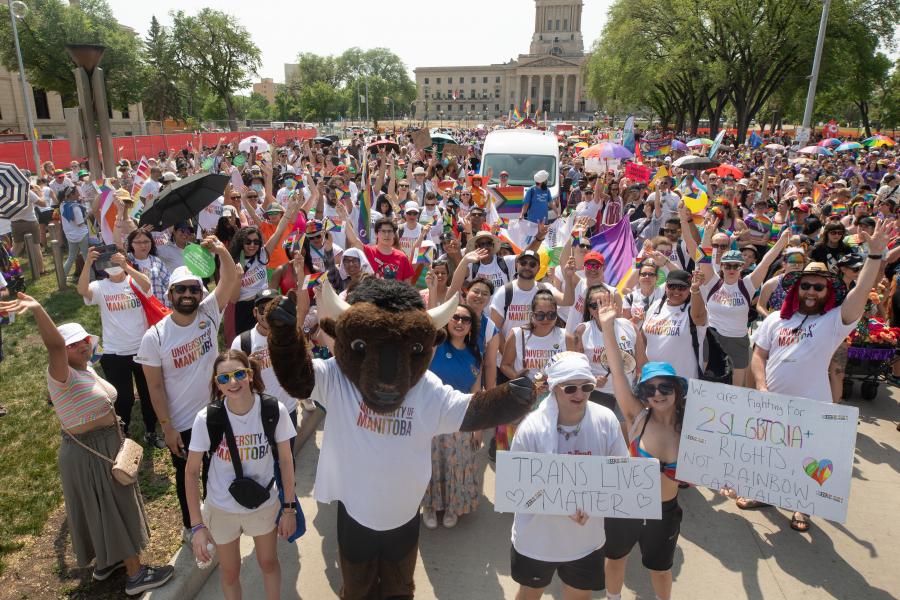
(559, 484)
(791, 452)
(421, 138)
(454, 150)
(637, 173)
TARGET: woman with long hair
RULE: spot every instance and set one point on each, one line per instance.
(141, 252)
(653, 411)
(106, 519)
(238, 392)
(454, 486)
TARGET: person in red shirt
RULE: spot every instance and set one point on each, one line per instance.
(387, 261)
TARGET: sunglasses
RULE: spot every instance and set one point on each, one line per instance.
(855, 269)
(237, 375)
(528, 264)
(648, 390)
(253, 242)
(179, 288)
(731, 266)
(78, 343)
(648, 274)
(461, 319)
(835, 232)
(676, 287)
(403, 185)
(485, 245)
(235, 196)
(592, 266)
(544, 316)
(721, 246)
(666, 231)
(587, 388)
(806, 286)
(253, 197)
(584, 246)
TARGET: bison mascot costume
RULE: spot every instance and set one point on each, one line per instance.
(383, 407)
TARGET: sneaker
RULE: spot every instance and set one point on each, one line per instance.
(103, 574)
(187, 536)
(152, 439)
(429, 519)
(450, 520)
(149, 578)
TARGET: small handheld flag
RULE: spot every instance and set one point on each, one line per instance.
(703, 255)
(313, 279)
(334, 225)
(425, 255)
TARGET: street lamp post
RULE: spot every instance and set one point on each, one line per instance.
(441, 113)
(814, 77)
(18, 10)
(91, 89)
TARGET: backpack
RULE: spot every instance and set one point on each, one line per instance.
(216, 415)
(500, 263)
(246, 345)
(508, 295)
(718, 367)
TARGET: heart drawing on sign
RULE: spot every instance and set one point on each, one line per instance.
(819, 470)
(515, 496)
(643, 500)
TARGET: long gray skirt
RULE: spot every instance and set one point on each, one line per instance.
(106, 519)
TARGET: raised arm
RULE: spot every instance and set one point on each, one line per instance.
(758, 276)
(630, 406)
(698, 303)
(349, 228)
(228, 275)
(58, 362)
(287, 219)
(853, 306)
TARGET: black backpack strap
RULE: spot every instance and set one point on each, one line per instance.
(695, 343)
(715, 288)
(508, 296)
(270, 412)
(501, 262)
(215, 424)
(232, 448)
(246, 344)
(475, 266)
(745, 292)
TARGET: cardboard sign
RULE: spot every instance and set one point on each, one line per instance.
(794, 453)
(637, 173)
(558, 484)
(454, 150)
(421, 138)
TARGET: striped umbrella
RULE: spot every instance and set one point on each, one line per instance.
(847, 146)
(13, 190)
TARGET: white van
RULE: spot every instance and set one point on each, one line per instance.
(522, 153)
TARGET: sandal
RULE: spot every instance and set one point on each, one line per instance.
(800, 524)
(748, 504)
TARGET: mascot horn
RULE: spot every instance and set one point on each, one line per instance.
(383, 407)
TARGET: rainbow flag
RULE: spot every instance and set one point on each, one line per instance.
(759, 224)
(517, 116)
(108, 214)
(775, 233)
(507, 200)
(425, 255)
(140, 176)
(817, 193)
(503, 236)
(703, 255)
(313, 279)
(333, 225)
(345, 191)
(838, 208)
(616, 244)
(364, 223)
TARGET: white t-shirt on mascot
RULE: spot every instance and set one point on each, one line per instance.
(379, 465)
(256, 457)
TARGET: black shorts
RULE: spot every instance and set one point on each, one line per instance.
(585, 573)
(657, 539)
(357, 543)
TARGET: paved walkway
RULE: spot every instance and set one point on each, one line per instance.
(723, 552)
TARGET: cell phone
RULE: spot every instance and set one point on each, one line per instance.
(104, 261)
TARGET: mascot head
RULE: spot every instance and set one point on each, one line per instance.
(383, 338)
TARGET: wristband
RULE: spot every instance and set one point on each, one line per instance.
(163, 421)
(289, 505)
(197, 527)
(875, 256)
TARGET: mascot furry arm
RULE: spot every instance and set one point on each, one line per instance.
(384, 340)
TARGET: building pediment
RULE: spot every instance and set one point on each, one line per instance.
(548, 61)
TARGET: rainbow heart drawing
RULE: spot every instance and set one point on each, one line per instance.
(819, 470)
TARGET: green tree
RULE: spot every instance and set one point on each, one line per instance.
(313, 68)
(216, 50)
(162, 97)
(320, 102)
(50, 25)
(258, 107)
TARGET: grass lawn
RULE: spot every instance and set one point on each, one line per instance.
(32, 527)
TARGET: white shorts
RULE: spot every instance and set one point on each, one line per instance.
(225, 527)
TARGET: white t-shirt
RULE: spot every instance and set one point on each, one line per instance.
(254, 280)
(800, 349)
(668, 337)
(727, 307)
(379, 465)
(121, 315)
(519, 311)
(150, 189)
(27, 214)
(76, 229)
(209, 216)
(186, 355)
(259, 349)
(587, 209)
(576, 311)
(537, 350)
(408, 237)
(556, 538)
(493, 272)
(593, 343)
(637, 301)
(171, 255)
(256, 457)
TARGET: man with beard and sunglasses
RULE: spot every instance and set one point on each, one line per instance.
(177, 355)
(794, 346)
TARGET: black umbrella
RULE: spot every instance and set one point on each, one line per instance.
(14, 188)
(695, 163)
(183, 200)
(325, 141)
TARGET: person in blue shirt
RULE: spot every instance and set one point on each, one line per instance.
(537, 200)
(454, 487)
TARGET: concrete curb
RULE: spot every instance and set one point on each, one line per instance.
(188, 578)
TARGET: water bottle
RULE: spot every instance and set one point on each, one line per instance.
(211, 548)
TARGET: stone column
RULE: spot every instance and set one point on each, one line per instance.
(540, 94)
(565, 108)
(577, 92)
(552, 94)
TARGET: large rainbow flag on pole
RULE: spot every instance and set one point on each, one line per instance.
(616, 244)
(364, 223)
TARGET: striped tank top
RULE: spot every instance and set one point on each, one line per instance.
(82, 398)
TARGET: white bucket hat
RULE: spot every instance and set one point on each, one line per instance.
(541, 176)
(74, 332)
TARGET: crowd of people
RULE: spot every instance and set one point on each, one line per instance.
(775, 271)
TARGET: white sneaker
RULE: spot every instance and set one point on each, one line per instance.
(450, 520)
(429, 519)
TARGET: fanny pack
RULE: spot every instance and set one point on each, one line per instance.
(245, 490)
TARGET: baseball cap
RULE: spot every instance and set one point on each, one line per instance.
(528, 254)
(593, 255)
(732, 256)
(263, 296)
(679, 277)
(504, 173)
(411, 206)
(169, 176)
(182, 274)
